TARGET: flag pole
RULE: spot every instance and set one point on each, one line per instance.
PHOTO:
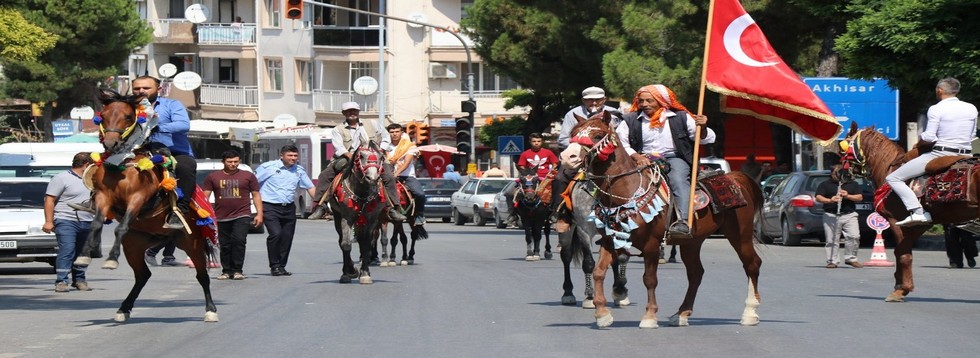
(697, 131)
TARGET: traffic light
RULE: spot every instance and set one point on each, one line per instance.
(294, 9)
(468, 106)
(463, 128)
(412, 129)
(422, 135)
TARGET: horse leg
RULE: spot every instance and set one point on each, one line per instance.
(743, 242)
(603, 317)
(528, 236)
(196, 247)
(404, 241)
(588, 268)
(691, 256)
(904, 241)
(344, 231)
(364, 244)
(93, 242)
(536, 236)
(134, 251)
(547, 234)
(112, 262)
(620, 292)
(567, 297)
(413, 236)
(650, 262)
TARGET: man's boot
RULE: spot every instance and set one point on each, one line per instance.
(680, 230)
(318, 212)
(173, 222)
(394, 213)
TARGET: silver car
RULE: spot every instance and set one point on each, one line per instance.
(475, 200)
(21, 219)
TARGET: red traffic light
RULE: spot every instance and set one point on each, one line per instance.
(294, 9)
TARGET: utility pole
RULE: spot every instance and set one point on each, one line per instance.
(469, 62)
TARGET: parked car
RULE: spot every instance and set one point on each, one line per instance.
(21, 219)
(792, 213)
(770, 183)
(715, 163)
(503, 206)
(208, 166)
(475, 200)
(438, 196)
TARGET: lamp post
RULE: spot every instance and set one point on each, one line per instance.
(469, 61)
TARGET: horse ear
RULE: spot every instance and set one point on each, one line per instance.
(578, 118)
(606, 117)
(108, 95)
(853, 130)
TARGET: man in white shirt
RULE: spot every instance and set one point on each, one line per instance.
(951, 128)
(403, 158)
(654, 125)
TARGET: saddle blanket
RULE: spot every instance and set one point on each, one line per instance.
(725, 193)
(951, 185)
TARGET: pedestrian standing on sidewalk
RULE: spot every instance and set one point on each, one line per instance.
(232, 190)
(838, 196)
(70, 226)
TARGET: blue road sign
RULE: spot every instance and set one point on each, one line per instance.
(510, 145)
(869, 103)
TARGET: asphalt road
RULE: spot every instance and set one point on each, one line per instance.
(471, 294)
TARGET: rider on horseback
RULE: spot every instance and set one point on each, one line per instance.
(402, 157)
(170, 134)
(351, 136)
(541, 160)
(659, 123)
(951, 128)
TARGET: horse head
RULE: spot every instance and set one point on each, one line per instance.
(868, 153)
(118, 118)
(368, 163)
(591, 139)
(528, 183)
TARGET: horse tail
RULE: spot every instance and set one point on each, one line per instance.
(420, 230)
(211, 252)
(578, 246)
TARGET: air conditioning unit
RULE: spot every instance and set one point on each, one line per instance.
(441, 70)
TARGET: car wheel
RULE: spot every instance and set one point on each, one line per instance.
(760, 234)
(446, 220)
(788, 238)
(500, 224)
(478, 219)
(458, 218)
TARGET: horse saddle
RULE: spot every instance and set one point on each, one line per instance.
(544, 187)
(719, 190)
(404, 196)
(948, 179)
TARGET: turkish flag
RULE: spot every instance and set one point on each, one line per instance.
(436, 157)
(754, 80)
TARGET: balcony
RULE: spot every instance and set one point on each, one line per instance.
(230, 96)
(338, 36)
(329, 101)
(226, 34)
(172, 31)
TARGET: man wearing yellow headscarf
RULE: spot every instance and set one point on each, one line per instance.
(402, 158)
(659, 123)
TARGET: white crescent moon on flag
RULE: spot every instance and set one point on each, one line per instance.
(733, 43)
(434, 159)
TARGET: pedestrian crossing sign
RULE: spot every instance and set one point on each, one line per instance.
(510, 145)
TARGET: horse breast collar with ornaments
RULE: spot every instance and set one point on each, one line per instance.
(645, 204)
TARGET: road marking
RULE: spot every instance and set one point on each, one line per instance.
(11, 355)
(67, 336)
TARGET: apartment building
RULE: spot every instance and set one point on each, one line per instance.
(258, 67)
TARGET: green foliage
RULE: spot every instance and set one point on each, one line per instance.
(21, 40)
(913, 44)
(488, 133)
(94, 38)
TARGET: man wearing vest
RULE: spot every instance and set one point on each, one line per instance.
(345, 141)
(658, 123)
(403, 158)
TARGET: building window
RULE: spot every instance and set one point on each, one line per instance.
(274, 73)
(304, 76)
(486, 81)
(273, 8)
(227, 70)
(464, 6)
(360, 69)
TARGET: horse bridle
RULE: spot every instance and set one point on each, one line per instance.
(374, 161)
(139, 118)
(854, 153)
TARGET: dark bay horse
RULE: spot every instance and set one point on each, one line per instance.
(416, 233)
(874, 156)
(131, 192)
(534, 214)
(357, 207)
(630, 199)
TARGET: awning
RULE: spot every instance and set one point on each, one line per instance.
(204, 128)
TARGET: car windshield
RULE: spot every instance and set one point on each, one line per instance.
(439, 184)
(10, 171)
(491, 186)
(22, 195)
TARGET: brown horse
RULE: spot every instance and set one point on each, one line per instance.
(131, 192)
(628, 200)
(874, 156)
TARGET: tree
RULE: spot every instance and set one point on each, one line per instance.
(94, 38)
(21, 40)
(489, 132)
(913, 44)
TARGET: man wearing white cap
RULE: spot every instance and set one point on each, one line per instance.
(351, 136)
(593, 101)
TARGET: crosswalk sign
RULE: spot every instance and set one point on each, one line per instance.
(510, 145)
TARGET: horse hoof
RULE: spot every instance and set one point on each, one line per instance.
(529, 258)
(365, 280)
(604, 321)
(536, 257)
(404, 263)
(384, 263)
(83, 261)
(588, 304)
(411, 262)
(679, 321)
(110, 265)
(663, 261)
(547, 256)
(568, 300)
(749, 321)
(649, 323)
(345, 279)
(211, 317)
(122, 317)
(895, 297)
(623, 302)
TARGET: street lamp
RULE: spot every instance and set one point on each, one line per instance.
(469, 61)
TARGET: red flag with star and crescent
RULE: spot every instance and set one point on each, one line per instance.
(755, 81)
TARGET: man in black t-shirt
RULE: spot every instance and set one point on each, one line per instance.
(842, 219)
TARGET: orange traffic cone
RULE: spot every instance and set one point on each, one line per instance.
(878, 256)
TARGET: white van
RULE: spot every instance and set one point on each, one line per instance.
(40, 159)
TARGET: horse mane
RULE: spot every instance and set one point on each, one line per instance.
(108, 95)
(880, 151)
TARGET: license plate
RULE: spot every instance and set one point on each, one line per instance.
(862, 206)
(8, 244)
(438, 200)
